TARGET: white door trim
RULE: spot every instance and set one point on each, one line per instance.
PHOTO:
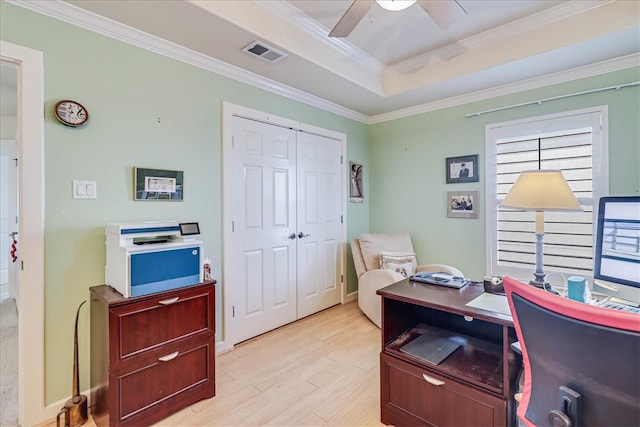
(30, 136)
(230, 110)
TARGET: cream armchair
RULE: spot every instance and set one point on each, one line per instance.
(367, 250)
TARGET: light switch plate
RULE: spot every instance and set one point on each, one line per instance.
(85, 190)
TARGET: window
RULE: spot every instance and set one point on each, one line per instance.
(573, 142)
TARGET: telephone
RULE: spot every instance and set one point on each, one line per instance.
(493, 285)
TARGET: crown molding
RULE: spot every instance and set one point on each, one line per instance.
(508, 30)
(533, 22)
(90, 21)
(93, 22)
(296, 17)
(603, 67)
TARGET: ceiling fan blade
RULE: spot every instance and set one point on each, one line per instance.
(443, 13)
(350, 19)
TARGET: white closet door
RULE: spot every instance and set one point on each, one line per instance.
(263, 254)
(319, 223)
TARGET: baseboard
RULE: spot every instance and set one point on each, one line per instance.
(350, 297)
(222, 347)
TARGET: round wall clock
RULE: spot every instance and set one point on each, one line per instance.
(71, 113)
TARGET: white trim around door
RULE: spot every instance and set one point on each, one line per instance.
(30, 130)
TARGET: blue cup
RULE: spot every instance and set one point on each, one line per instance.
(576, 285)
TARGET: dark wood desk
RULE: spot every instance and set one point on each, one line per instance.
(474, 386)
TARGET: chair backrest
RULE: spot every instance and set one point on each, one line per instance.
(570, 347)
(366, 249)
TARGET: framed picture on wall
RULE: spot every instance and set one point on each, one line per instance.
(356, 191)
(462, 204)
(157, 184)
(462, 169)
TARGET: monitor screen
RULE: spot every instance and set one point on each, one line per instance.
(617, 248)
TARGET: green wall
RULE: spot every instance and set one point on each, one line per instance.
(408, 155)
(151, 111)
(145, 110)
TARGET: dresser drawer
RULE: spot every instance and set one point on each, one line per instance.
(418, 396)
(152, 388)
(150, 323)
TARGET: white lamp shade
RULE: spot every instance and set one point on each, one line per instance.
(541, 190)
(395, 5)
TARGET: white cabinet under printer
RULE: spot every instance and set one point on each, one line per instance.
(149, 257)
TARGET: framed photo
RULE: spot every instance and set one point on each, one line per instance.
(462, 169)
(356, 190)
(157, 184)
(462, 204)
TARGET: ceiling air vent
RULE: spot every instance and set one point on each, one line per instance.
(264, 51)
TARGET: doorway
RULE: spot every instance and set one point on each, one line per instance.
(29, 138)
(283, 232)
(8, 180)
(8, 245)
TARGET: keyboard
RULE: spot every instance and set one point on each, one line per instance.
(617, 306)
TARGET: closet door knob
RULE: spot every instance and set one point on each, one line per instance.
(292, 236)
(301, 235)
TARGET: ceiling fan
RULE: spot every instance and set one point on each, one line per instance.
(443, 12)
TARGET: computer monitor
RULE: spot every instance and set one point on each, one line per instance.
(616, 269)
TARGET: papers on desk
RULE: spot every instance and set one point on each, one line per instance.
(491, 302)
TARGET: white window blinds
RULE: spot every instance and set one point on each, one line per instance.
(568, 238)
(575, 142)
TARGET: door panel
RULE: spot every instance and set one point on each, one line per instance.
(253, 197)
(319, 216)
(264, 217)
(253, 284)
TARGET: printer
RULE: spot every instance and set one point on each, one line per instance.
(152, 256)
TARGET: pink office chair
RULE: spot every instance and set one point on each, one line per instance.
(581, 362)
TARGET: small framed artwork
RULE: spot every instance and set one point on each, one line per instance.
(157, 184)
(356, 192)
(462, 169)
(462, 204)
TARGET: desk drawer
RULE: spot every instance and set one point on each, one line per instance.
(418, 396)
(156, 321)
(152, 388)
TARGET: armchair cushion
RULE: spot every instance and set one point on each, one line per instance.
(403, 263)
(372, 245)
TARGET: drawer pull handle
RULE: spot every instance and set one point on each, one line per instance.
(432, 380)
(169, 357)
(169, 301)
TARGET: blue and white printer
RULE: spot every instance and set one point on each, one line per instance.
(152, 256)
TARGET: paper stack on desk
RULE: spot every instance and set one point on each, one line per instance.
(491, 302)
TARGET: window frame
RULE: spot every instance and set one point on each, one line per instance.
(597, 118)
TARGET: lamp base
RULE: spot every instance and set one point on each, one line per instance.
(540, 283)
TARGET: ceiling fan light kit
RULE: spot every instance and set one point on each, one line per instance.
(395, 5)
(443, 12)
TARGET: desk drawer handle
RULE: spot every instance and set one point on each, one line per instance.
(169, 301)
(169, 357)
(432, 380)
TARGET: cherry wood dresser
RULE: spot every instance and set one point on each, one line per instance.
(151, 355)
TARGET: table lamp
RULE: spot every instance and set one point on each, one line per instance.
(540, 191)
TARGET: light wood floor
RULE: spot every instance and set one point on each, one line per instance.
(319, 371)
